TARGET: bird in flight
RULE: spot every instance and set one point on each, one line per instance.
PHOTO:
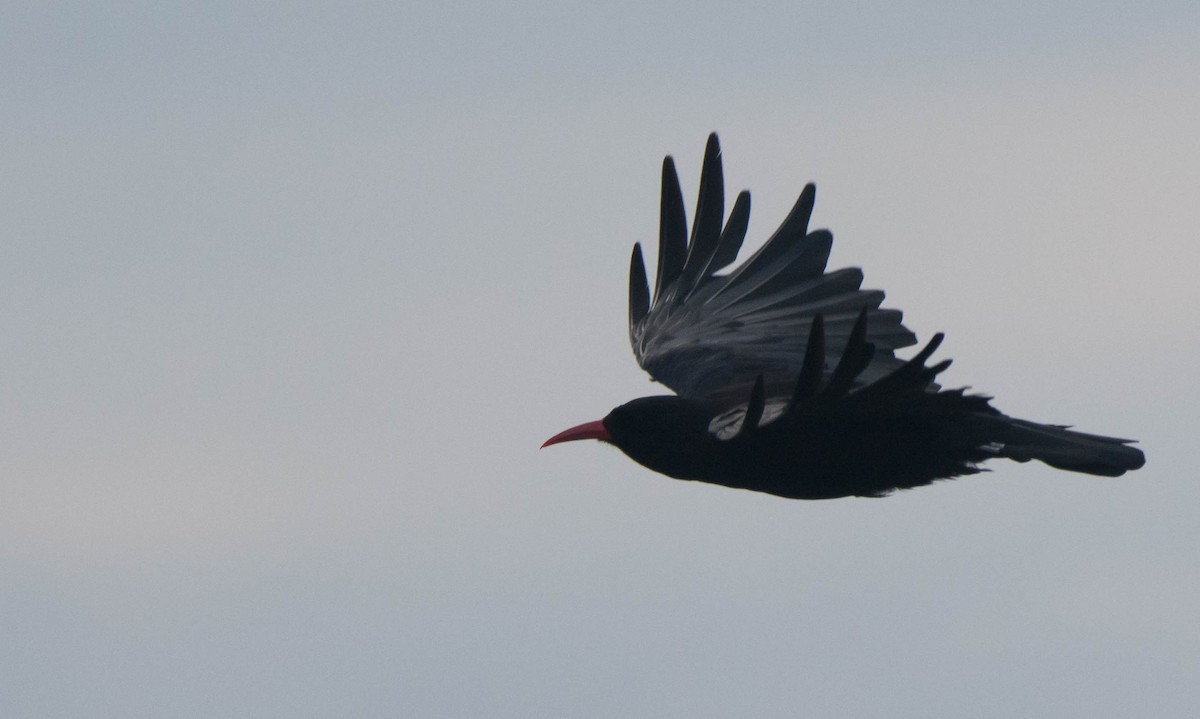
(785, 376)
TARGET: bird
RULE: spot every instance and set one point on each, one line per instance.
(785, 375)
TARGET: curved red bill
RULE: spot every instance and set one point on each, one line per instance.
(587, 430)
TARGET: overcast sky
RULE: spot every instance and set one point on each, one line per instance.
(292, 292)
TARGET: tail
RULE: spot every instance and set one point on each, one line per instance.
(1060, 447)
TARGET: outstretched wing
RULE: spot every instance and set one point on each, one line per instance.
(844, 390)
(711, 336)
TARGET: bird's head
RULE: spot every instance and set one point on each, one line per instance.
(666, 433)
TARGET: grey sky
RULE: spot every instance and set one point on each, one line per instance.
(292, 293)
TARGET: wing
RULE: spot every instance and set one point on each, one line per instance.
(910, 385)
(711, 336)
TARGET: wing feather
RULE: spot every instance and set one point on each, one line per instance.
(639, 291)
(710, 209)
(672, 230)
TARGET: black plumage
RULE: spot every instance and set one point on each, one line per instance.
(786, 377)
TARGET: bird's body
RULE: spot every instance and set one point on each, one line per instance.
(806, 456)
(786, 376)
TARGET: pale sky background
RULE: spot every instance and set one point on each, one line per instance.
(291, 293)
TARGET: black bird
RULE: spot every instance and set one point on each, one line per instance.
(785, 375)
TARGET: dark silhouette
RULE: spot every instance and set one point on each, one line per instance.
(786, 375)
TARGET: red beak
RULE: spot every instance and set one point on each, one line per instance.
(587, 430)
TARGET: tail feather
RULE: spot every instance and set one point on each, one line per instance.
(1063, 448)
